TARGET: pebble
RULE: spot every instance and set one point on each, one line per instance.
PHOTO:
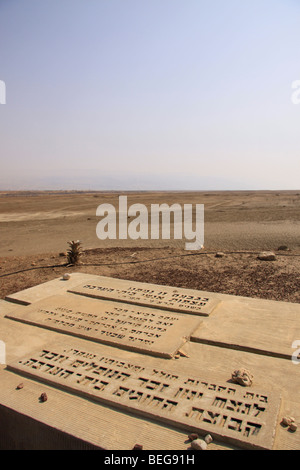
(193, 437)
(242, 377)
(208, 439)
(199, 444)
(267, 256)
(137, 447)
(43, 397)
(287, 421)
(66, 277)
(293, 427)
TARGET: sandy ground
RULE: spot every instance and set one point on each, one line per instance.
(35, 229)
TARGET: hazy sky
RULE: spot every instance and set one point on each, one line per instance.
(149, 94)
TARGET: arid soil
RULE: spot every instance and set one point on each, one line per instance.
(35, 229)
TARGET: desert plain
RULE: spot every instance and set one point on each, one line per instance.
(36, 227)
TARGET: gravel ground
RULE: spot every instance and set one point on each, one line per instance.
(237, 273)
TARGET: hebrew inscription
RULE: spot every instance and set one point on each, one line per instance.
(232, 413)
(163, 297)
(126, 326)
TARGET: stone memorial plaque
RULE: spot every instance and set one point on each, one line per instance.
(240, 416)
(141, 329)
(138, 293)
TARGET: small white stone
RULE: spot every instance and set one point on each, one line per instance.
(208, 439)
(267, 256)
(199, 444)
(66, 277)
(242, 377)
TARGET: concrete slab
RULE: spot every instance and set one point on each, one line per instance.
(231, 413)
(239, 333)
(260, 328)
(136, 328)
(55, 287)
(6, 307)
(59, 286)
(111, 428)
(151, 295)
(69, 422)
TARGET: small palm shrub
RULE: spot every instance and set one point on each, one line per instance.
(74, 253)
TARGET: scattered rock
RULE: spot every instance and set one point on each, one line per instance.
(282, 248)
(242, 377)
(137, 447)
(193, 437)
(208, 439)
(199, 444)
(287, 421)
(267, 256)
(20, 386)
(220, 254)
(43, 397)
(62, 254)
(293, 427)
(66, 277)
